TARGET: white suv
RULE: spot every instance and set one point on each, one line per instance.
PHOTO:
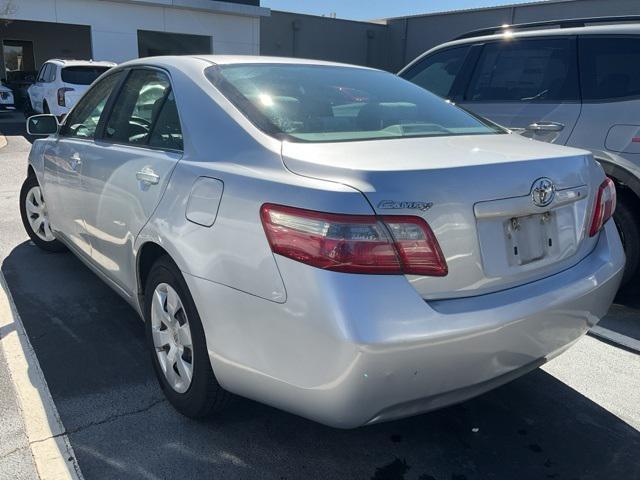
(61, 83)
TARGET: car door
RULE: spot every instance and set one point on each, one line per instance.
(610, 80)
(140, 144)
(66, 192)
(529, 85)
(49, 91)
(36, 91)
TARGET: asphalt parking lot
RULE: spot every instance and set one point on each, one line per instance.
(576, 418)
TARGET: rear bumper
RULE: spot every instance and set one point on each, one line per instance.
(348, 350)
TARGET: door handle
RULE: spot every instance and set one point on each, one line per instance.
(545, 127)
(148, 176)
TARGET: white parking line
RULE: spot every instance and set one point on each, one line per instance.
(52, 453)
(615, 337)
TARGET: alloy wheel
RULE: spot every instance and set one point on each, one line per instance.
(172, 337)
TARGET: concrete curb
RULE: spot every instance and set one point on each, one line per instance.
(52, 453)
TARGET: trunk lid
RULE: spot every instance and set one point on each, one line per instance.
(476, 194)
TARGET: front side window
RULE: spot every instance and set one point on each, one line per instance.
(513, 70)
(83, 119)
(43, 76)
(138, 105)
(438, 71)
(80, 75)
(51, 73)
(316, 103)
(609, 68)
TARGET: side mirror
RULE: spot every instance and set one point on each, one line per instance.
(42, 125)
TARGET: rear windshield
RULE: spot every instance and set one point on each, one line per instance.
(82, 75)
(315, 103)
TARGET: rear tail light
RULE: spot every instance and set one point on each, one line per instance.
(61, 92)
(604, 207)
(354, 243)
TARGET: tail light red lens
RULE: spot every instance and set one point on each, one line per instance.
(61, 92)
(354, 243)
(604, 207)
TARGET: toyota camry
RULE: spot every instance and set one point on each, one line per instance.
(327, 239)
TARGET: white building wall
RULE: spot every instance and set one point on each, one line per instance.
(114, 24)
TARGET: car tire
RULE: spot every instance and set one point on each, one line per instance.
(35, 218)
(203, 396)
(626, 219)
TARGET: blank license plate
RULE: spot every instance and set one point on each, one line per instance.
(529, 238)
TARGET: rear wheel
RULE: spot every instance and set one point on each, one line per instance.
(628, 223)
(178, 347)
(35, 216)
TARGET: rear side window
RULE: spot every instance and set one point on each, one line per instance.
(438, 71)
(144, 100)
(539, 70)
(167, 133)
(81, 75)
(610, 67)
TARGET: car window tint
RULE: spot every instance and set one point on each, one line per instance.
(83, 119)
(79, 75)
(137, 106)
(167, 133)
(438, 71)
(525, 71)
(610, 67)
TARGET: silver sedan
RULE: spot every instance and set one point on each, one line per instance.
(327, 239)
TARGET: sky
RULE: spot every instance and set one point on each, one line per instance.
(375, 9)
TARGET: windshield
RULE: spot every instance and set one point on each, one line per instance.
(316, 103)
(82, 75)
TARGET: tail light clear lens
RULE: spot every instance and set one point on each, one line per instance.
(604, 207)
(354, 243)
(61, 92)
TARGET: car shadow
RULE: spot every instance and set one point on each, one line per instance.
(624, 315)
(13, 124)
(91, 348)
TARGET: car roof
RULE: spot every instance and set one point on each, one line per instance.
(80, 63)
(237, 60)
(633, 28)
(616, 29)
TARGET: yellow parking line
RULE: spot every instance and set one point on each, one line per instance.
(52, 453)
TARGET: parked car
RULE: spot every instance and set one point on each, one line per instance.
(352, 258)
(570, 82)
(6, 98)
(60, 83)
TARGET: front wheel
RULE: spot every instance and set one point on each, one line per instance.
(35, 216)
(626, 219)
(175, 337)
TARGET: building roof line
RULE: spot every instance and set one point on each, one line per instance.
(476, 9)
(212, 6)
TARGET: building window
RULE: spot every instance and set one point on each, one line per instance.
(151, 44)
(18, 57)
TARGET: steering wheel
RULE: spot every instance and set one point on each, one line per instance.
(143, 122)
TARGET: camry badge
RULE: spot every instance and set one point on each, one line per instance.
(394, 205)
(543, 191)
